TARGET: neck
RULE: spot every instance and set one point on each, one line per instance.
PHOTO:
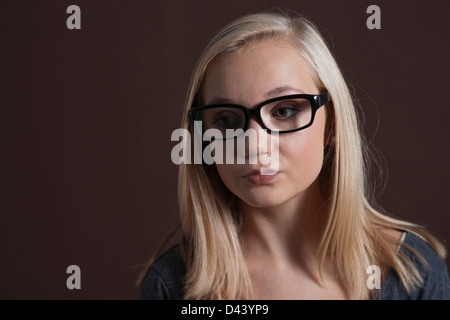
(289, 232)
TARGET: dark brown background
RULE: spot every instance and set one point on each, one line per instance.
(86, 118)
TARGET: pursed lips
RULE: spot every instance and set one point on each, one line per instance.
(257, 177)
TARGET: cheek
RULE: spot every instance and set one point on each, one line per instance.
(302, 152)
(301, 156)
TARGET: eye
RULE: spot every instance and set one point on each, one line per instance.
(224, 121)
(285, 111)
(227, 120)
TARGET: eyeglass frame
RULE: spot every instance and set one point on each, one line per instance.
(316, 101)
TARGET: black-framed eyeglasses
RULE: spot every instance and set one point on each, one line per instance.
(282, 114)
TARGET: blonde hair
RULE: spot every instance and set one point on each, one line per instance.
(353, 236)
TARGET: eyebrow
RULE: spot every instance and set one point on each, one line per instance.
(279, 90)
(271, 94)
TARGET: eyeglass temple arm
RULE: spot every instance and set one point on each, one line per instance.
(190, 116)
(322, 99)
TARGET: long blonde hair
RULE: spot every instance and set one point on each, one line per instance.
(352, 238)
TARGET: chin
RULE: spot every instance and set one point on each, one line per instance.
(261, 200)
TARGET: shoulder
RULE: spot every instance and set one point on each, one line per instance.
(164, 279)
(431, 267)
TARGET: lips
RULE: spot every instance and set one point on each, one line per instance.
(255, 177)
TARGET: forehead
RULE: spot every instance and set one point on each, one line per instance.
(247, 75)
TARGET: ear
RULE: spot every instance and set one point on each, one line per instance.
(329, 137)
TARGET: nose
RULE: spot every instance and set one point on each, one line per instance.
(257, 146)
(254, 124)
(253, 145)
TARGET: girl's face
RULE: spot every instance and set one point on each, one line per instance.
(258, 72)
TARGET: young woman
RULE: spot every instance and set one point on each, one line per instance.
(306, 230)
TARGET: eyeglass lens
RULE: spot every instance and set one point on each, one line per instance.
(282, 115)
